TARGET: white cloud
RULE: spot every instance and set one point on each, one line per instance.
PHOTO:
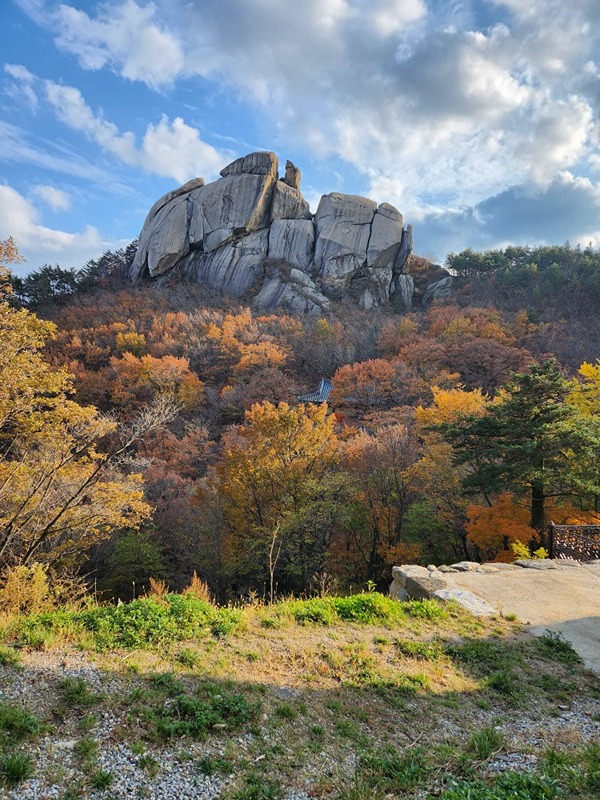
(171, 149)
(56, 199)
(124, 37)
(435, 104)
(39, 244)
(18, 146)
(21, 88)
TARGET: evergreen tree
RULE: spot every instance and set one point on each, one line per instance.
(531, 443)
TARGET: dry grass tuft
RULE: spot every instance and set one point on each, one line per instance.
(199, 589)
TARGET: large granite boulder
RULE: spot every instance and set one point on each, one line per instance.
(343, 229)
(251, 233)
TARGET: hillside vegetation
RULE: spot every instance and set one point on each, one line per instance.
(169, 435)
(344, 697)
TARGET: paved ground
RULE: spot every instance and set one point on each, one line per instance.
(566, 599)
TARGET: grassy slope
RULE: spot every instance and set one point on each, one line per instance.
(346, 698)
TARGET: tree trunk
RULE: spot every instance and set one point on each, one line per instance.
(538, 503)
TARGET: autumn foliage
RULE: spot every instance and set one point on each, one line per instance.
(146, 431)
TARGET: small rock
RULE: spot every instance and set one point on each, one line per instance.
(466, 566)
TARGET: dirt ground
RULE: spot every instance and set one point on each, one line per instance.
(566, 599)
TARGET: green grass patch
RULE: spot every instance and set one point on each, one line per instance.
(15, 768)
(508, 786)
(9, 657)
(425, 651)
(169, 711)
(391, 772)
(553, 645)
(18, 724)
(75, 693)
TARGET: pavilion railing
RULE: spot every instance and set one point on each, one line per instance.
(578, 542)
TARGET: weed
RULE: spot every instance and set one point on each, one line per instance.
(74, 792)
(86, 749)
(214, 765)
(286, 711)
(149, 764)
(505, 683)
(101, 779)
(188, 658)
(389, 771)
(508, 786)
(195, 715)
(76, 693)
(485, 742)
(87, 723)
(553, 645)
(367, 608)
(15, 767)
(17, 723)
(258, 787)
(424, 609)
(427, 651)
(481, 656)
(9, 657)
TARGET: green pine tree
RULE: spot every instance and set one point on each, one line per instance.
(532, 443)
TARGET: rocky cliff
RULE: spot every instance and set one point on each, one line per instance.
(252, 233)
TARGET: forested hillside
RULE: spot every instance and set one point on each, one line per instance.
(157, 431)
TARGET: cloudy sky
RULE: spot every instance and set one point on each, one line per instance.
(478, 119)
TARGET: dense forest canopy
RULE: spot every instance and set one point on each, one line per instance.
(157, 431)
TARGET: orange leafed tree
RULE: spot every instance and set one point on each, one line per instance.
(366, 384)
(138, 380)
(492, 529)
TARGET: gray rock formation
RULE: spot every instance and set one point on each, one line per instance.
(251, 233)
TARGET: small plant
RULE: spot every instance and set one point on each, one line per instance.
(258, 787)
(86, 749)
(76, 693)
(15, 767)
(285, 711)
(485, 743)
(8, 657)
(214, 765)
(199, 589)
(101, 779)
(188, 658)
(505, 683)
(390, 771)
(523, 551)
(425, 609)
(158, 590)
(17, 723)
(427, 651)
(508, 786)
(554, 645)
(149, 764)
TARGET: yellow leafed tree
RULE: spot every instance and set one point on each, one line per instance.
(59, 492)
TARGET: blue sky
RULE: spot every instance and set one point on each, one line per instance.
(478, 119)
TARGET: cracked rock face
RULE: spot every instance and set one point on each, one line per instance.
(251, 233)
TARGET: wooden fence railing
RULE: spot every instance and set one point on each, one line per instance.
(579, 542)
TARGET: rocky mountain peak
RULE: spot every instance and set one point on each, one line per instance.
(251, 233)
